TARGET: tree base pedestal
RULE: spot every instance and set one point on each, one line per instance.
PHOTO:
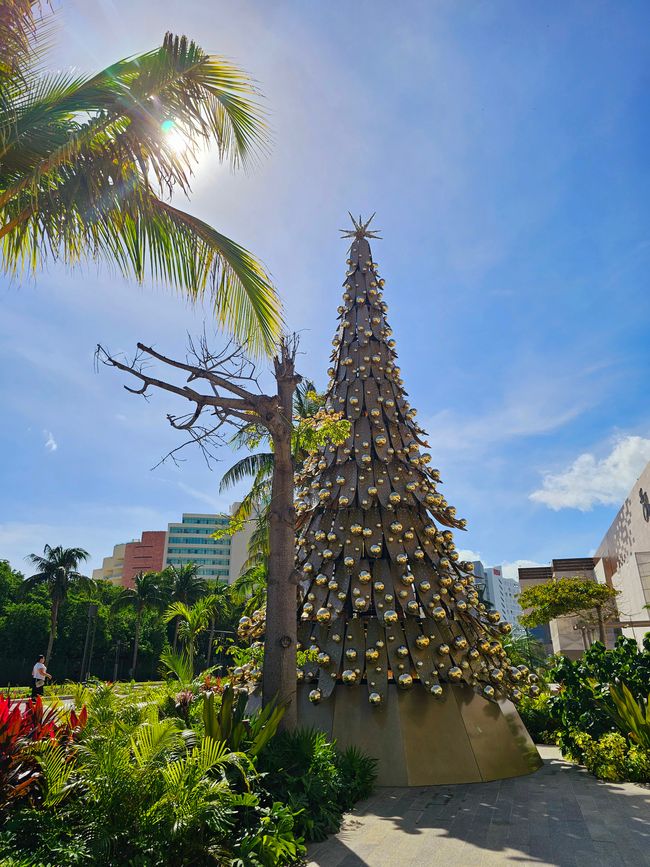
(423, 741)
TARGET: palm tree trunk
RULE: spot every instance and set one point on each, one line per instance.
(176, 621)
(210, 640)
(136, 642)
(54, 617)
(281, 620)
(602, 635)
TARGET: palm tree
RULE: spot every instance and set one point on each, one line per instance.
(219, 603)
(259, 466)
(186, 586)
(145, 593)
(57, 570)
(86, 163)
(193, 619)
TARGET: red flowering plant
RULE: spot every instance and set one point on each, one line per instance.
(20, 730)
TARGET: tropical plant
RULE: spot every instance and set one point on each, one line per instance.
(302, 768)
(632, 716)
(145, 594)
(312, 425)
(219, 602)
(58, 570)
(358, 775)
(187, 585)
(231, 724)
(583, 702)
(86, 160)
(192, 620)
(177, 663)
(561, 597)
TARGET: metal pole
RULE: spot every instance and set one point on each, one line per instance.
(82, 673)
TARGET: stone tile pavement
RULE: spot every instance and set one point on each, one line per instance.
(559, 816)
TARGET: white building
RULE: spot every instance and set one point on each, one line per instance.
(500, 592)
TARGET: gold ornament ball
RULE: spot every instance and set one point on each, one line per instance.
(436, 690)
(349, 562)
(372, 492)
(424, 586)
(460, 643)
(413, 607)
(390, 616)
(422, 641)
(360, 603)
(375, 550)
(404, 681)
(515, 694)
(396, 527)
(443, 649)
(439, 613)
(505, 628)
(372, 655)
(245, 622)
(300, 675)
(323, 615)
(488, 691)
(323, 658)
(402, 559)
(496, 675)
(534, 690)
(356, 529)
(394, 498)
(402, 651)
(374, 698)
(455, 673)
(315, 696)
(351, 654)
(349, 676)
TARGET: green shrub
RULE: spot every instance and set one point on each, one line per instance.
(306, 770)
(612, 758)
(358, 775)
(535, 712)
(579, 706)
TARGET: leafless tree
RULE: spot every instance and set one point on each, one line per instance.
(224, 393)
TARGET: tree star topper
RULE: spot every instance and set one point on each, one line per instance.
(360, 229)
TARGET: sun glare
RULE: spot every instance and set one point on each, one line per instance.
(173, 136)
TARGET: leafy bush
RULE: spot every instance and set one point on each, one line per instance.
(303, 768)
(358, 775)
(536, 714)
(580, 705)
(612, 758)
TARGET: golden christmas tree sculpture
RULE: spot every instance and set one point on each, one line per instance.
(398, 638)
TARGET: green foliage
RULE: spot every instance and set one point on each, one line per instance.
(24, 627)
(583, 704)
(631, 716)
(611, 757)
(231, 724)
(85, 169)
(536, 713)
(303, 768)
(358, 775)
(561, 597)
(177, 663)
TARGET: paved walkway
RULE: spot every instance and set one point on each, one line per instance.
(560, 816)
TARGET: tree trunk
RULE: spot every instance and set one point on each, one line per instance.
(602, 636)
(136, 642)
(281, 612)
(176, 621)
(210, 641)
(54, 617)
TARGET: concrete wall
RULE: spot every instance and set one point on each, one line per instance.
(625, 558)
(146, 555)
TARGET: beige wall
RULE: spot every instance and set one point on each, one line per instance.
(112, 567)
(625, 560)
(239, 548)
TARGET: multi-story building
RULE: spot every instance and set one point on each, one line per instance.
(188, 541)
(112, 566)
(623, 559)
(191, 541)
(500, 592)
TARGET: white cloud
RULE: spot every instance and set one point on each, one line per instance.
(216, 503)
(50, 443)
(468, 554)
(531, 406)
(588, 481)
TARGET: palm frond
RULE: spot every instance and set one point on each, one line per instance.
(251, 465)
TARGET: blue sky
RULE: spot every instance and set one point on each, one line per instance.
(504, 148)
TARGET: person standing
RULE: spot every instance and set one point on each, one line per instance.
(39, 676)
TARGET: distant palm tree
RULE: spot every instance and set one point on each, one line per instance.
(220, 605)
(87, 163)
(193, 619)
(57, 570)
(145, 593)
(187, 585)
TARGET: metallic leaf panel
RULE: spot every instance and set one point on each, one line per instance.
(384, 599)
